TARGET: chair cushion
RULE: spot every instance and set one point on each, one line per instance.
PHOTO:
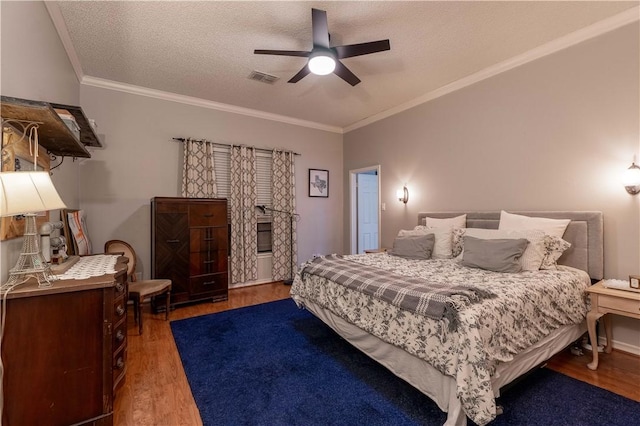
(146, 288)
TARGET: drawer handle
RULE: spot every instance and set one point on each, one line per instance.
(173, 241)
(119, 336)
(208, 215)
(119, 363)
(119, 287)
(210, 239)
(209, 261)
(208, 282)
(120, 310)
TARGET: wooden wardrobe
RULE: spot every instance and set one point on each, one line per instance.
(190, 246)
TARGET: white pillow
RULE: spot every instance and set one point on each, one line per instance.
(553, 227)
(451, 222)
(444, 238)
(534, 253)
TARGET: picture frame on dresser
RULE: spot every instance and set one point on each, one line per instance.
(319, 183)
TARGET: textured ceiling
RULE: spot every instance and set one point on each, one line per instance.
(205, 49)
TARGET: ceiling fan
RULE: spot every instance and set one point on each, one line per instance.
(324, 59)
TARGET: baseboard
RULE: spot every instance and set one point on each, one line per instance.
(621, 346)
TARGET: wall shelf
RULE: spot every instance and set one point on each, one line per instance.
(53, 134)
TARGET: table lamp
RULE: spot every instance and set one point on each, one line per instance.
(27, 193)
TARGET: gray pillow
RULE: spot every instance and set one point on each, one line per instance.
(498, 255)
(413, 246)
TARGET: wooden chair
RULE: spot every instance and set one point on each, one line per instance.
(139, 290)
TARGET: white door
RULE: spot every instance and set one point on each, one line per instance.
(367, 206)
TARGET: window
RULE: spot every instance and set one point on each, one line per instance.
(264, 237)
(222, 160)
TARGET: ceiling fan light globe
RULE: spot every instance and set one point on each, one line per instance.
(322, 64)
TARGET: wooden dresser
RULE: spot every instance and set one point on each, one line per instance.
(64, 350)
(189, 246)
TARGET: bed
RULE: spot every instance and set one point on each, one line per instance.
(462, 361)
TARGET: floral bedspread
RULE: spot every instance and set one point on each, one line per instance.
(529, 305)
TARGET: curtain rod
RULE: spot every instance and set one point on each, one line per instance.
(229, 145)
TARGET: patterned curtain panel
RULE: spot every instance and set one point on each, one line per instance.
(198, 174)
(283, 230)
(244, 219)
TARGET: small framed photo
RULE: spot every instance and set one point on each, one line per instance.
(634, 281)
(318, 183)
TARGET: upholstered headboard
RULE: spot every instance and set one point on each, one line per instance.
(585, 233)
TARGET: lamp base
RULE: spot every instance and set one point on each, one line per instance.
(30, 263)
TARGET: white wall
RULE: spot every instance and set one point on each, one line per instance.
(554, 134)
(140, 161)
(34, 65)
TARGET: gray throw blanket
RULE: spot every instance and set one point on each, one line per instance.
(412, 294)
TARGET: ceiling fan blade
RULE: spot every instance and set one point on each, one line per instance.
(320, 28)
(345, 74)
(302, 73)
(352, 50)
(282, 52)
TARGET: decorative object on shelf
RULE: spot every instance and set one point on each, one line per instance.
(631, 179)
(27, 193)
(318, 183)
(634, 281)
(292, 217)
(45, 237)
(403, 194)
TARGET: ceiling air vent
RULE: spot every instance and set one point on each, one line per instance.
(263, 77)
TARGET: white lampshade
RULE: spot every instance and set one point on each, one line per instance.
(322, 64)
(27, 192)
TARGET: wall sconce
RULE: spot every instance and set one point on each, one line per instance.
(631, 179)
(403, 194)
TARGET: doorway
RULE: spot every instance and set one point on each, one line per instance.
(365, 209)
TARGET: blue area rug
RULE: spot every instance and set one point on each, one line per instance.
(275, 364)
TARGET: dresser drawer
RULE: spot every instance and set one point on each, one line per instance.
(210, 283)
(209, 262)
(209, 238)
(207, 214)
(119, 289)
(119, 367)
(119, 310)
(119, 335)
(619, 304)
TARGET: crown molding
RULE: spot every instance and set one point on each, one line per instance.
(601, 27)
(627, 17)
(61, 28)
(189, 100)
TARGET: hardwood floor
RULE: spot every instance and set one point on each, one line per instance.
(156, 391)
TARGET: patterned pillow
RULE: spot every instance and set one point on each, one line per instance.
(553, 249)
(457, 243)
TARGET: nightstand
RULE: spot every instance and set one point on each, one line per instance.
(608, 301)
(378, 250)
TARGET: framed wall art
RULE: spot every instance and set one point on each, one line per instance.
(318, 183)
